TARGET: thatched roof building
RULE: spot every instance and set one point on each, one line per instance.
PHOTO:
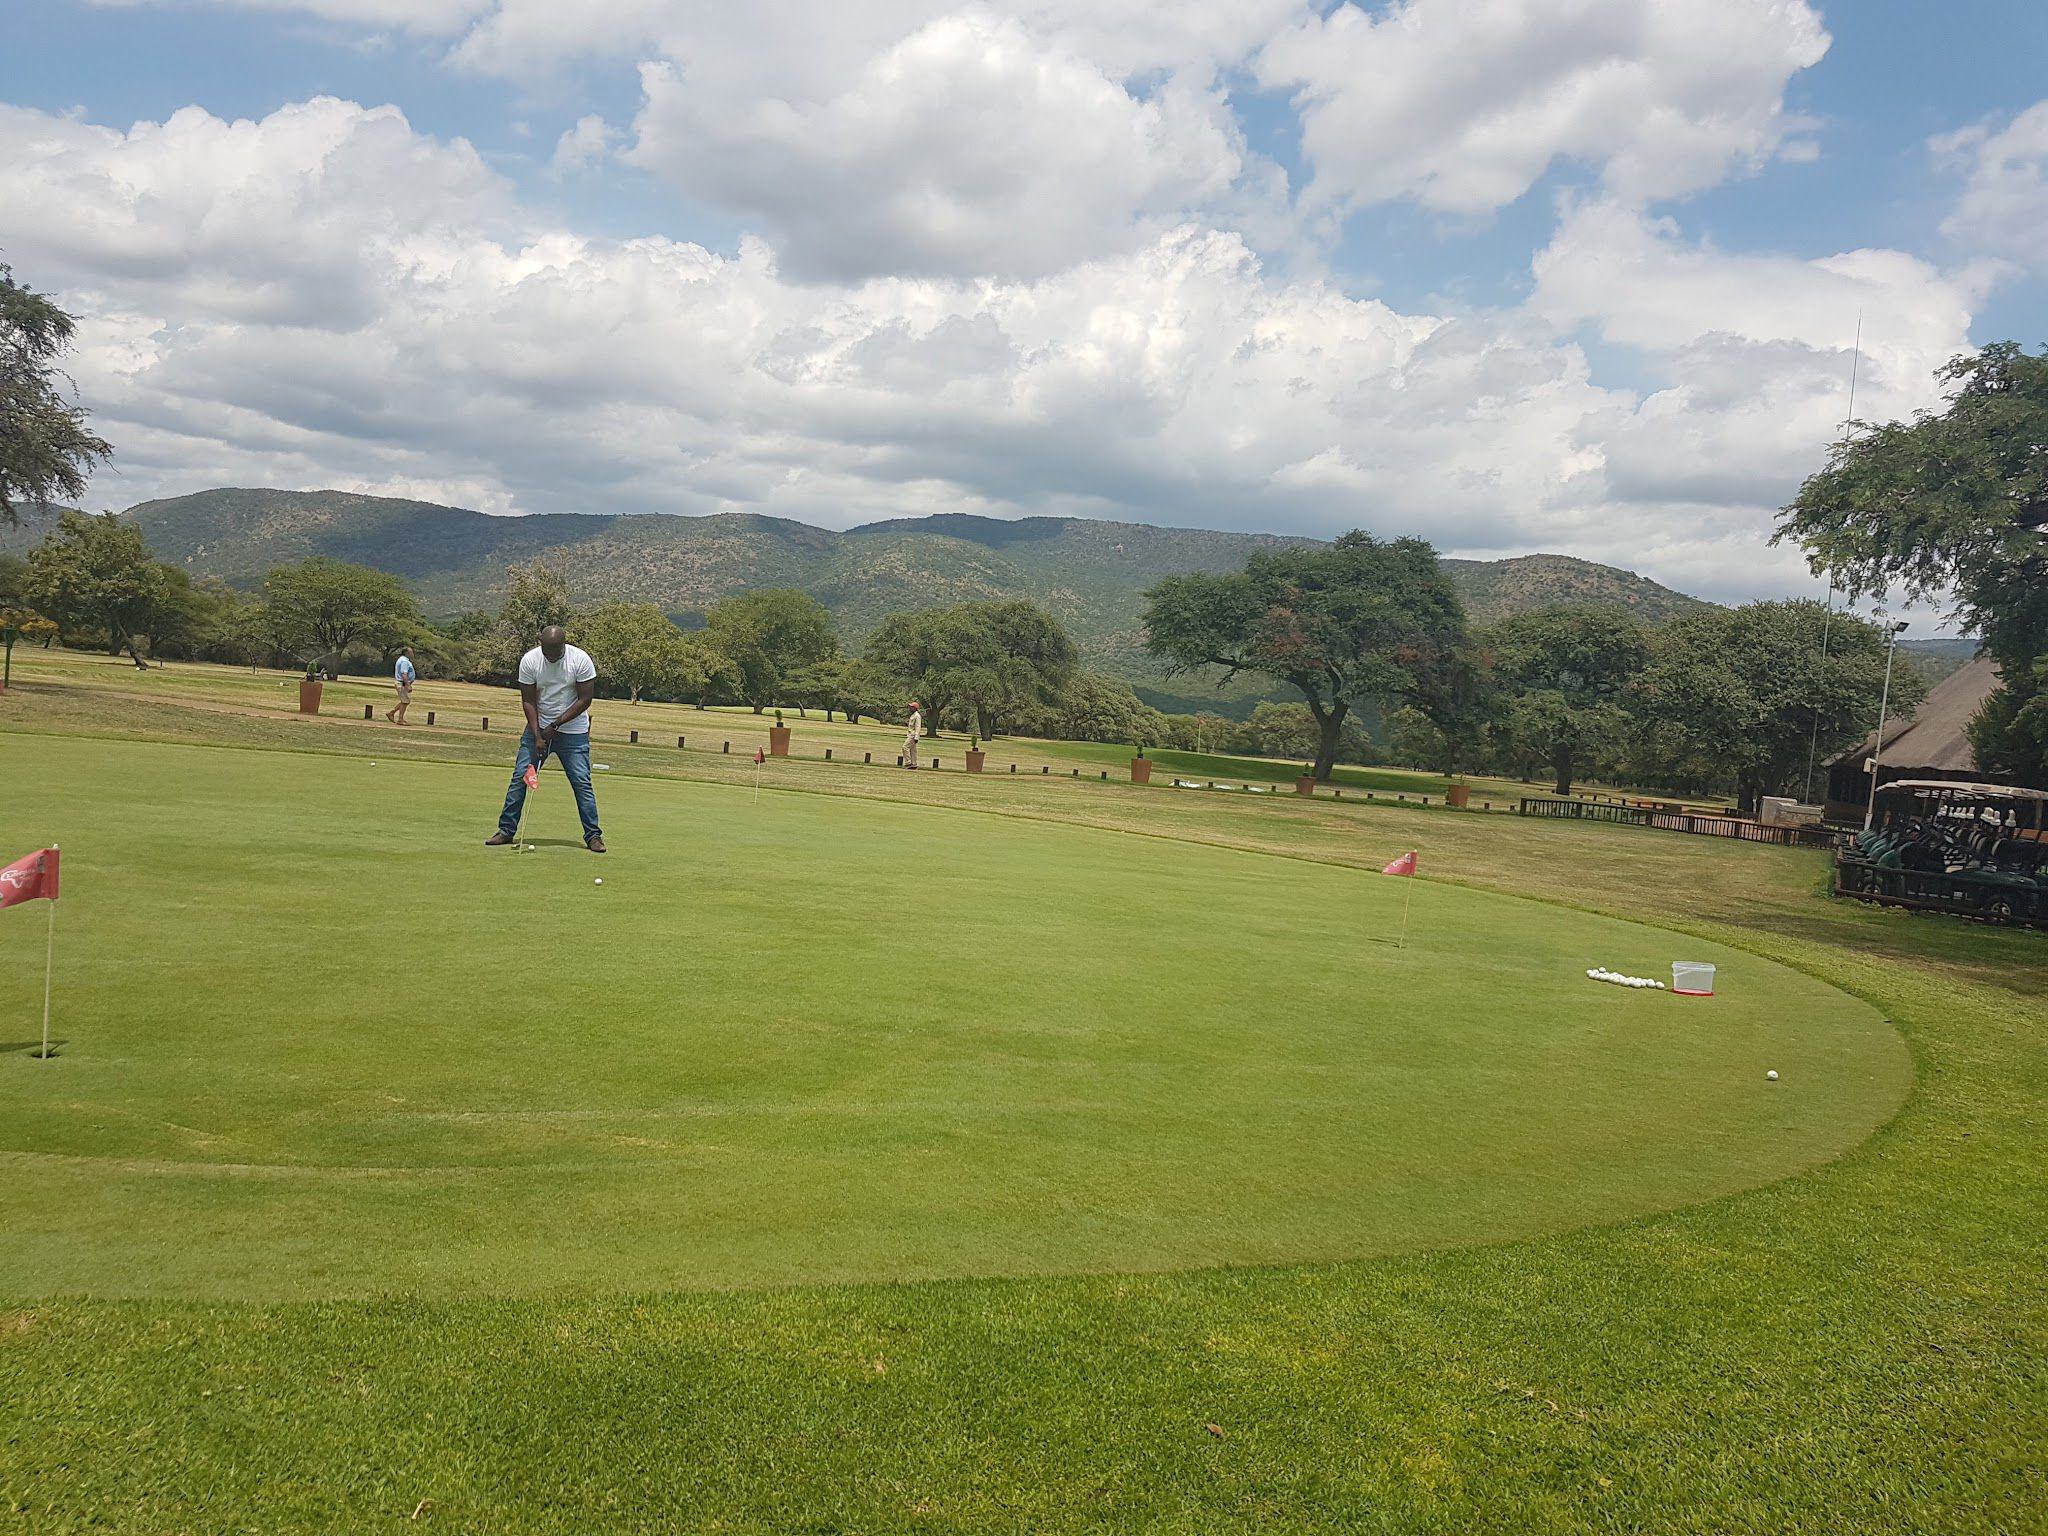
(1931, 743)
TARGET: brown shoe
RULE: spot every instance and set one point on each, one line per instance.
(594, 843)
(498, 840)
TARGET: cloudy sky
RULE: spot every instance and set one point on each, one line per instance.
(1571, 275)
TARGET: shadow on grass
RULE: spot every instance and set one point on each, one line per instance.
(31, 1047)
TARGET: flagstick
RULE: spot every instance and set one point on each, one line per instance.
(49, 959)
(1407, 896)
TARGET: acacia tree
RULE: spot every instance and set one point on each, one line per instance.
(1360, 620)
(320, 607)
(770, 635)
(1726, 694)
(95, 572)
(1565, 674)
(46, 449)
(1955, 504)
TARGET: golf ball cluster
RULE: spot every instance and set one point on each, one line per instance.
(1601, 973)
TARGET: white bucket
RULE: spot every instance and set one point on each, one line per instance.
(1693, 978)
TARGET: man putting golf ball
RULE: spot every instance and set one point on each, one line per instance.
(556, 683)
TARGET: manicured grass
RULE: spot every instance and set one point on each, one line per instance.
(461, 707)
(319, 1041)
(1860, 1347)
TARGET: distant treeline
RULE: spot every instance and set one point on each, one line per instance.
(1724, 699)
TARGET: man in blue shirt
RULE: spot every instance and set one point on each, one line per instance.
(401, 676)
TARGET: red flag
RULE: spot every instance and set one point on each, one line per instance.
(760, 756)
(531, 778)
(32, 877)
(1404, 865)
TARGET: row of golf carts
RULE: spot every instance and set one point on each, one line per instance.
(1977, 850)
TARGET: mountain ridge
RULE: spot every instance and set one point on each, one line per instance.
(1091, 574)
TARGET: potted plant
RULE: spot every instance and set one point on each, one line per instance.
(1305, 781)
(309, 689)
(975, 756)
(1458, 796)
(1141, 766)
(778, 737)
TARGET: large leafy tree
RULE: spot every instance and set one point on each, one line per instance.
(46, 449)
(770, 635)
(992, 661)
(536, 596)
(1360, 620)
(1954, 507)
(95, 572)
(1564, 674)
(320, 607)
(1741, 695)
(639, 650)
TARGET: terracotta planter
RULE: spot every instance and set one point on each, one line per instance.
(778, 741)
(1458, 796)
(1141, 770)
(1305, 785)
(309, 695)
(975, 760)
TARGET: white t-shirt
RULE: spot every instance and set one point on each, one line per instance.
(557, 682)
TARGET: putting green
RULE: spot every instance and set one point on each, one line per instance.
(318, 1041)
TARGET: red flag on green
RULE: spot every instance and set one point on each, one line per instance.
(32, 877)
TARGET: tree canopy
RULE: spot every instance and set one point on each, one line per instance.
(95, 572)
(46, 449)
(1954, 506)
(319, 607)
(637, 648)
(1358, 620)
(1742, 693)
(1567, 673)
(771, 635)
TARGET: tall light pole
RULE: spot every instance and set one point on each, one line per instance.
(1884, 700)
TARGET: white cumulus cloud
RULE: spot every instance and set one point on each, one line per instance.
(1461, 105)
(2003, 207)
(328, 297)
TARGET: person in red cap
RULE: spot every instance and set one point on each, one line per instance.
(913, 728)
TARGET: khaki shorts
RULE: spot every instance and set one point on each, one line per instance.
(405, 693)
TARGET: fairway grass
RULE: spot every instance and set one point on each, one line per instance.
(321, 1042)
(1858, 1347)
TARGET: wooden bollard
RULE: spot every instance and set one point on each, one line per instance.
(899, 759)
(487, 722)
(366, 711)
(828, 754)
(632, 738)
(867, 757)
(1013, 767)
(1077, 773)
(679, 743)
(726, 748)
(1045, 767)
(430, 717)
(1105, 775)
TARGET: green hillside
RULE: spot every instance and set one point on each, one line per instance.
(1091, 574)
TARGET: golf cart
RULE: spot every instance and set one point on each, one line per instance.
(1935, 845)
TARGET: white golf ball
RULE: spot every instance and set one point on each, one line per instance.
(1772, 1076)
(598, 881)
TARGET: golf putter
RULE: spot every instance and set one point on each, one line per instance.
(532, 780)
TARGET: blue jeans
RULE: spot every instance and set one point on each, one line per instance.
(573, 753)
